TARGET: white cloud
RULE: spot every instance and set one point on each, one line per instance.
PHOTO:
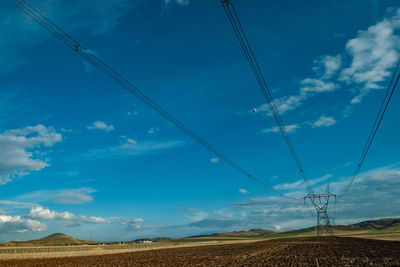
(214, 160)
(134, 224)
(289, 128)
(374, 53)
(99, 125)
(327, 66)
(310, 86)
(287, 103)
(131, 141)
(324, 121)
(243, 191)
(16, 224)
(46, 214)
(16, 157)
(40, 212)
(64, 196)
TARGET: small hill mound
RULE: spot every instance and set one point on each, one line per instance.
(57, 239)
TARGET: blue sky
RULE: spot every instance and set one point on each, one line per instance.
(80, 155)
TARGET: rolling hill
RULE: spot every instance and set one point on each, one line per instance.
(381, 226)
(57, 239)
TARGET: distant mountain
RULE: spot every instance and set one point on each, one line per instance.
(59, 239)
(372, 224)
(251, 232)
(365, 225)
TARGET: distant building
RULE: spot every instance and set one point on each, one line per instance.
(143, 241)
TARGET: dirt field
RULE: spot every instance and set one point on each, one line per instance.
(299, 252)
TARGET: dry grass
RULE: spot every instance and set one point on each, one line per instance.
(74, 251)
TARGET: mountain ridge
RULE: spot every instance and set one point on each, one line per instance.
(60, 239)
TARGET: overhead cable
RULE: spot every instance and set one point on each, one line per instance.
(40, 18)
(248, 51)
(381, 113)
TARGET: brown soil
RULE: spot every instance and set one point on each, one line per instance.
(340, 251)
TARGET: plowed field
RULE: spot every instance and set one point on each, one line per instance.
(280, 252)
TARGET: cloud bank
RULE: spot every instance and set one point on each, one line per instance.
(19, 149)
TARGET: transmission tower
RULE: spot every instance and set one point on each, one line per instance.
(321, 203)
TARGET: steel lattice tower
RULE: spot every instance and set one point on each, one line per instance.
(321, 203)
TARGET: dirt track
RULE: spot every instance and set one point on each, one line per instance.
(282, 252)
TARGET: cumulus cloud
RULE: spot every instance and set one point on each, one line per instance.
(46, 214)
(16, 224)
(40, 212)
(100, 125)
(324, 121)
(16, 146)
(374, 53)
(289, 128)
(134, 224)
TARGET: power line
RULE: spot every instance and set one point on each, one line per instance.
(40, 18)
(248, 51)
(381, 113)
